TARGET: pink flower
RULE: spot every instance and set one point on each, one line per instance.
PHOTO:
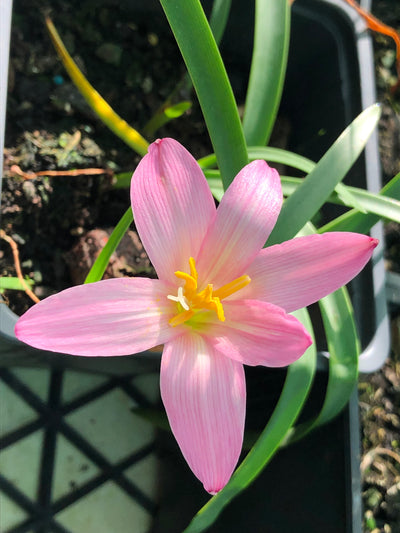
(221, 300)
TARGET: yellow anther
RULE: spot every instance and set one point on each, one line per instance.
(190, 281)
(204, 296)
(192, 265)
(181, 318)
(232, 287)
(189, 301)
(219, 309)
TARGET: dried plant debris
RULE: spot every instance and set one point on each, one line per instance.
(380, 465)
(41, 150)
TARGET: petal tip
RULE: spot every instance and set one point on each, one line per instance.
(374, 242)
(213, 491)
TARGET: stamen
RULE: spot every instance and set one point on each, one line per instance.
(219, 309)
(232, 287)
(192, 265)
(181, 318)
(190, 301)
(190, 281)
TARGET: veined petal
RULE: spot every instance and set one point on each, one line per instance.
(298, 272)
(172, 206)
(111, 317)
(245, 217)
(204, 394)
(259, 333)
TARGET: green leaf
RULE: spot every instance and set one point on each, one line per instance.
(122, 180)
(273, 155)
(268, 68)
(201, 55)
(278, 155)
(344, 349)
(316, 188)
(215, 184)
(380, 205)
(177, 110)
(349, 196)
(297, 385)
(100, 265)
(219, 17)
(102, 109)
(165, 114)
(14, 283)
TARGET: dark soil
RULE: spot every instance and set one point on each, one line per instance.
(60, 223)
(50, 127)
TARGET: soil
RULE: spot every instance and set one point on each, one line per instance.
(50, 127)
(60, 223)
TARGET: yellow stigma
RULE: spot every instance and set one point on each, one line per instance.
(190, 300)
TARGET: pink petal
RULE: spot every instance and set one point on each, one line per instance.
(172, 206)
(245, 218)
(204, 394)
(298, 272)
(110, 317)
(259, 333)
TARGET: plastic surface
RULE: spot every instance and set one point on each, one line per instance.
(7, 318)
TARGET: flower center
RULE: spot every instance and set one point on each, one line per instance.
(190, 300)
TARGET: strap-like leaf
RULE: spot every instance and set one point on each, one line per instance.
(316, 188)
(268, 153)
(11, 283)
(100, 265)
(164, 115)
(379, 206)
(203, 60)
(268, 69)
(278, 155)
(382, 205)
(102, 109)
(219, 17)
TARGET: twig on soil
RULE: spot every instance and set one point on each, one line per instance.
(15, 169)
(371, 455)
(17, 265)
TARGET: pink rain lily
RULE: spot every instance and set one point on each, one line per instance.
(221, 300)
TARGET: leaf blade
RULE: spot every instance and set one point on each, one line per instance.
(268, 68)
(100, 265)
(302, 205)
(203, 60)
(102, 109)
